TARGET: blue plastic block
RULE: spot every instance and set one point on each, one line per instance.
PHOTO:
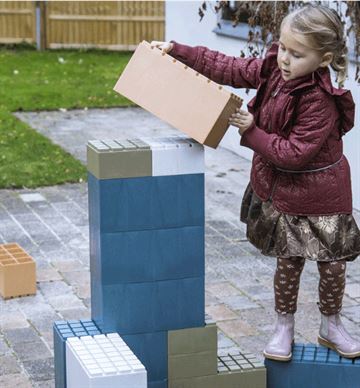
(63, 330)
(152, 350)
(149, 255)
(158, 202)
(158, 384)
(132, 308)
(313, 366)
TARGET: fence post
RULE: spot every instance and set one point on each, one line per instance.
(40, 12)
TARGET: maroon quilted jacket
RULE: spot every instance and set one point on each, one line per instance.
(298, 125)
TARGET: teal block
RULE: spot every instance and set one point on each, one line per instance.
(313, 366)
(149, 255)
(132, 308)
(146, 203)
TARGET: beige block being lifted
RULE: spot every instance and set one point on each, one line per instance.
(177, 94)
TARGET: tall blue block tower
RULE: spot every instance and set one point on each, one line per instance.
(146, 216)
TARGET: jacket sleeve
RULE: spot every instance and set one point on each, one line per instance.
(313, 124)
(226, 70)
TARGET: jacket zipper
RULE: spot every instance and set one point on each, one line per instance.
(273, 95)
(273, 188)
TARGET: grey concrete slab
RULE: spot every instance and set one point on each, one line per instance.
(51, 223)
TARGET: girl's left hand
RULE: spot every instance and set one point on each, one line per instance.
(241, 119)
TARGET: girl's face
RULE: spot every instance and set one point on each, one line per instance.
(295, 58)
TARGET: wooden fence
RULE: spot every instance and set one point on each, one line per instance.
(114, 25)
(17, 22)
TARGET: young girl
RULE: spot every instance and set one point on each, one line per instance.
(298, 204)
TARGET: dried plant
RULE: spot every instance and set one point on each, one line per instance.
(267, 16)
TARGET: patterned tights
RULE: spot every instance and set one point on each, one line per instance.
(287, 280)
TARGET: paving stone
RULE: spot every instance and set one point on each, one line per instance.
(48, 337)
(239, 302)
(8, 364)
(258, 292)
(32, 197)
(222, 289)
(55, 288)
(31, 350)
(15, 380)
(237, 328)
(77, 277)
(353, 290)
(48, 274)
(210, 299)
(44, 322)
(220, 312)
(224, 341)
(19, 336)
(352, 313)
(13, 320)
(41, 369)
(45, 384)
(62, 302)
(83, 291)
(76, 313)
(4, 348)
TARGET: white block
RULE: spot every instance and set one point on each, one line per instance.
(176, 155)
(102, 361)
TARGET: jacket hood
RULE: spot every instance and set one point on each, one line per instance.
(343, 97)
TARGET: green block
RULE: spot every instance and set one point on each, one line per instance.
(192, 365)
(110, 159)
(237, 370)
(255, 378)
(193, 340)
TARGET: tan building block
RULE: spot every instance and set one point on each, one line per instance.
(177, 94)
(17, 272)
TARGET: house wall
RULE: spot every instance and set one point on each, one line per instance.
(201, 33)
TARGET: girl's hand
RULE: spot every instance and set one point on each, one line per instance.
(164, 46)
(241, 119)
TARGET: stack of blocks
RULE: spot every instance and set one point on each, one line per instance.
(17, 272)
(146, 213)
(314, 366)
(147, 264)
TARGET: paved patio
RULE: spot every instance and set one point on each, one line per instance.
(51, 223)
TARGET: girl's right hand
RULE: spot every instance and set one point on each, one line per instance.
(164, 46)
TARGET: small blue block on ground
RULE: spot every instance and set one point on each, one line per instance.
(63, 330)
(313, 366)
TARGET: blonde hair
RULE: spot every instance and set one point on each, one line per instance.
(323, 29)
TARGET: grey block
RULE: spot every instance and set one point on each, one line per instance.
(110, 159)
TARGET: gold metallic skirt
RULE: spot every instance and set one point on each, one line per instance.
(318, 238)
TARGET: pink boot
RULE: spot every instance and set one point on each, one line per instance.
(334, 336)
(280, 345)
